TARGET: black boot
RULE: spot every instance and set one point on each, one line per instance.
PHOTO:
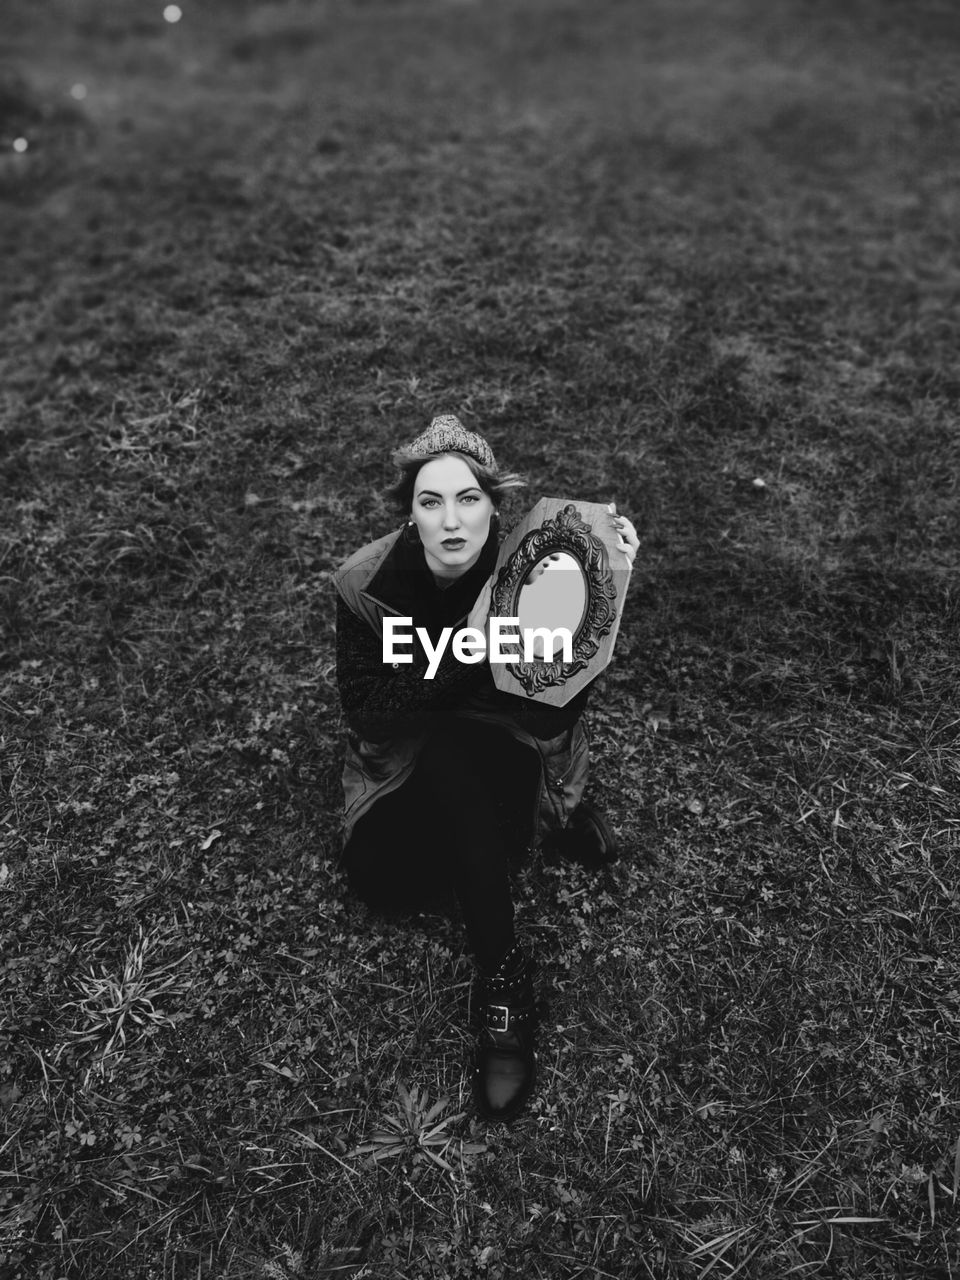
(505, 1070)
(587, 839)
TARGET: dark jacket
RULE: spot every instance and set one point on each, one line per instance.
(390, 708)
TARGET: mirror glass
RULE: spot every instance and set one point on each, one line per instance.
(553, 594)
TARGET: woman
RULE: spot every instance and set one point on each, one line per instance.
(446, 779)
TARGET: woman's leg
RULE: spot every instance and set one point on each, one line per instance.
(465, 767)
(443, 829)
(387, 868)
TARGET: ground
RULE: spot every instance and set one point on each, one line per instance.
(697, 258)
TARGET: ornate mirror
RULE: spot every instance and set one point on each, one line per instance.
(561, 567)
(553, 594)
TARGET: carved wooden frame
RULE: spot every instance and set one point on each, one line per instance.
(584, 530)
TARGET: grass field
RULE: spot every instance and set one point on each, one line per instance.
(697, 257)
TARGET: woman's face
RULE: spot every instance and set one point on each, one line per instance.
(452, 513)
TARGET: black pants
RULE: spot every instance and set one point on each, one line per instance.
(466, 810)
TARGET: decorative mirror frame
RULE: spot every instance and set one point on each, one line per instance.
(585, 530)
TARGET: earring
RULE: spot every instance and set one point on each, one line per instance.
(410, 534)
(495, 522)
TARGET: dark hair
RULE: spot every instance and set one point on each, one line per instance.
(400, 494)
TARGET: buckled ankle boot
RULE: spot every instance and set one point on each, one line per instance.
(505, 1070)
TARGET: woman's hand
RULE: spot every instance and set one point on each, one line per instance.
(481, 607)
(629, 542)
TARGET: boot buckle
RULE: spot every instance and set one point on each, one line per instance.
(498, 1013)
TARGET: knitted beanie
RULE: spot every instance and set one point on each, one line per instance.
(445, 433)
